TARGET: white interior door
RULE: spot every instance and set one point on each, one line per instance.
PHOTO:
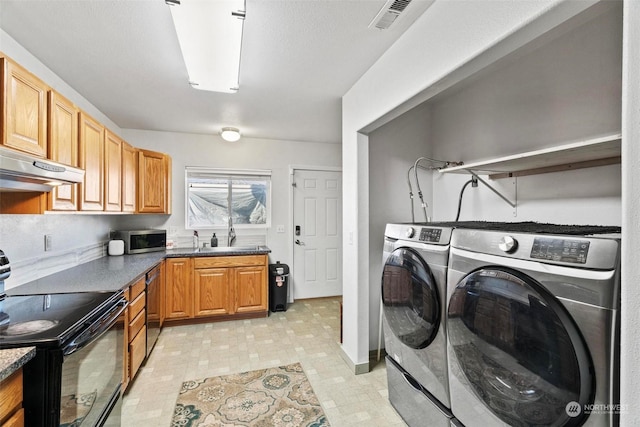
(317, 220)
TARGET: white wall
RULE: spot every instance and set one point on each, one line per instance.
(427, 59)
(76, 238)
(79, 238)
(393, 148)
(212, 151)
(595, 192)
(567, 89)
(15, 51)
(630, 339)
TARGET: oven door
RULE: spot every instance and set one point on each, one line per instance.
(92, 372)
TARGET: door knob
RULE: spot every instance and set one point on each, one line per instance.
(298, 242)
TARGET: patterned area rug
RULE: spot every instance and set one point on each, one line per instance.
(275, 397)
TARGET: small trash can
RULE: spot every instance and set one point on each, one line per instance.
(278, 284)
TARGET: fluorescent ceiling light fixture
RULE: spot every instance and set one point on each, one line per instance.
(230, 134)
(210, 37)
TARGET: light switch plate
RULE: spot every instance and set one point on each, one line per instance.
(280, 228)
(48, 241)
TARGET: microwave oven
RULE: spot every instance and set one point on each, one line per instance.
(141, 241)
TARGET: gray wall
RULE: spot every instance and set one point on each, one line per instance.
(393, 148)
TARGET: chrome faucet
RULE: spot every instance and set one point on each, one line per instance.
(231, 234)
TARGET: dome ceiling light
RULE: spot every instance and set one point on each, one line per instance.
(230, 134)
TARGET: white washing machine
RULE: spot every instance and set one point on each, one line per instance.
(413, 307)
(533, 325)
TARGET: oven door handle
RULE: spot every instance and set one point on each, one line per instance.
(96, 329)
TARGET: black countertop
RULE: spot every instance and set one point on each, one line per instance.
(111, 273)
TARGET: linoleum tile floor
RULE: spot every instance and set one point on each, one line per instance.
(308, 332)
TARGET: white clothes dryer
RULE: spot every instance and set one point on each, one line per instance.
(533, 325)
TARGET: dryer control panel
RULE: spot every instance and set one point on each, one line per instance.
(574, 251)
(430, 234)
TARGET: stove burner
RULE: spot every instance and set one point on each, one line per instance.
(29, 327)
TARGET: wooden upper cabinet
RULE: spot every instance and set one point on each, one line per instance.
(153, 182)
(63, 148)
(113, 172)
(92, 161)
(24, 102)
(129, 177)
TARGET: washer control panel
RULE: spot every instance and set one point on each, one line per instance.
(430, 234)
(574, 251)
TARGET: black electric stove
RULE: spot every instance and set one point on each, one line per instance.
(79, 356)
(50, 319)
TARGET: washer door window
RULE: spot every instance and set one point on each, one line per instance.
(519, 350)
(410, 298)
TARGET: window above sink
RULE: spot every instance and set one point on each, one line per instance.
(213, 196)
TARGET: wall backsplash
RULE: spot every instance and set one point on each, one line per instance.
(76, 239)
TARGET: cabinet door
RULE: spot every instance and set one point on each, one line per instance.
(152, 182)
(125, 348)
(178, 289)
(250, 289)
(92, 161)
(11, 394)
(129, 177)
(137, 351)
(63, 148)
(113, 172)
(25, 116)
(16, 420)
(212, 292)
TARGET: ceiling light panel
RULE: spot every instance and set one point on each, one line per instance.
(210, 37)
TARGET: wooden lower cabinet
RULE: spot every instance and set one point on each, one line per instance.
(16, 420)
(135, 331)
(11, 412)
(216, 287)
(137, 351)
(251, 289)
(212, 292)
(178, 289)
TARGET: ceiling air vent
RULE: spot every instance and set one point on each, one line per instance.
(389, 13)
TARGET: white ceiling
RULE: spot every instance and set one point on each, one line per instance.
(298, 58)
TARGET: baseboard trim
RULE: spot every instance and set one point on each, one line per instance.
(357, 369)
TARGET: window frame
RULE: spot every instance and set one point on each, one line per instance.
(229, 175)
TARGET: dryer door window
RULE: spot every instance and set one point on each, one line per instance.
(519, 349)
(410, 298)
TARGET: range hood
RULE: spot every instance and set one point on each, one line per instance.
(24, 172)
